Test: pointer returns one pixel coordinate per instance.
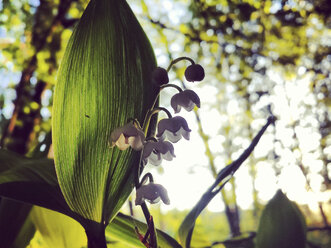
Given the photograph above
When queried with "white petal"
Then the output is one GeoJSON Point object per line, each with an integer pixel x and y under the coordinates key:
{"type": "Point", "coordinates": [153, 201]}
{"type": "Point", "coordinates": [184, 133]}
{"type": "Point", "coordinates": [173, 137]}
{"type": "Point", "coordinates": [155, 158]}
{"type": "Point", "coordinates": [168, 156]}
{"type": "Point", "coordinates": [127, 135]}
{"type": "Point", "coordinates": [122, 143]}
{"type": "Point", "coordinates": [136, 143]}
{"type": "Point", "coordinates": [168, 128]}
{"type": "Point", "coordinates": [190, 106]}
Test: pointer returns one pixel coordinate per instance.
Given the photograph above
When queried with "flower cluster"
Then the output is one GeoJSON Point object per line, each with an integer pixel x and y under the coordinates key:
{"type": "Point", "coordinates": [169, 130]}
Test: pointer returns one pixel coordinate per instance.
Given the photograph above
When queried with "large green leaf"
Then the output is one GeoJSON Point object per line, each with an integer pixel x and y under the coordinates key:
{"type": "Point", "coordinates": [104, 80]}
{"type": "Point", "coordinates": [185, 230]}
{"type": "Point", "coordinates": [122, 228]}
{"type": "Point", "coordinates": [32, 181]}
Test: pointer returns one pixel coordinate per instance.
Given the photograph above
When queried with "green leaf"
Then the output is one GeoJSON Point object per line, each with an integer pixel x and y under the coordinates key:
{"type": "Point", "coordinates": [104, 80]}
{"type": "Point", "coordinates": [25, 235]}
{"type": "Point", "coordinates": [16, 229]}
{"type": "Point", "coordinates": [31, 181]}
{"type": "Point", "coordinates": [186, 228]}
{"type": "Point", "coordinates": [58, 230]}
{"type": "Point", "coordinates": [122, 228]}
{"type": "Point", "coordinates": [281, 224]}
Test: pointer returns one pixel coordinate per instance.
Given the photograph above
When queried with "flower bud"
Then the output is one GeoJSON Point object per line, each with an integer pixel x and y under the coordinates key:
{"type": "Point", "coordinates": [160, 76]}
{"type": "Point", "coordinates": [194, 72]}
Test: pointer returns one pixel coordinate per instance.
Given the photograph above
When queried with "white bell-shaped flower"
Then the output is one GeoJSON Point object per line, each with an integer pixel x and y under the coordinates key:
{"type": "Point", "coordinates": [186, 99]}
{"type": "Point", "coordinates": [174, 129]}
{"type": "Point", "coordinates": [128, 135]}
{"type": "Point", "coordinates": [151, 192]}
{"type": "Point", "coordinates": [154, 152]}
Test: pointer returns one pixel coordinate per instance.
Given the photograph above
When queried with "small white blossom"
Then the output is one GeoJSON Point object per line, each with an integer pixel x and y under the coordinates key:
{"type": "Point", "coordinates": [128, 135]}
{"type": "Point", "coordinates": [154, 152]}
{"type": "Point", "coordinates": [153, 193]}
{"type": "Point", "coordinates": [186, 99]}
{"type": "Point", "coordinates": [173, 129]}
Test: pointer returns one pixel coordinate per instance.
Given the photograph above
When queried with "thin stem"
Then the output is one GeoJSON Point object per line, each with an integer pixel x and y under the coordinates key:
{"type": "Point", "coordinates": [159, 109]}
{"type": "Point", "coordinates": [135, 122]}
{"type": "Point", "coordinates": [172, 86]}
{"type": "Point", "coordinates": [148, 220]}
{"type": "Point", "coordinates": [144, 179]}
{"type": "Point", "coordinates": [139, 170]}
{"type": "Point", "coordinates": [151, 138]}
{"type": "Point", "coordinates": [151, 113]}
{"type": "Point", "coordinates": [179, 59]}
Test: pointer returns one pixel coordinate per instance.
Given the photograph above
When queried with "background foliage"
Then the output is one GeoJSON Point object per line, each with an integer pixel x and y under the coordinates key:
{"type": "Point", "coordinates": [259, 56]}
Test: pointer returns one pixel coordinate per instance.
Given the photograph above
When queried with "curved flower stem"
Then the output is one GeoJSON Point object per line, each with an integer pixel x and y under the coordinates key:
{"type": "Point", "coordinates": [148, 115]}
{"type": "Point", "coordinates": [158, 109]}
{"type": "Point", "coordinates": [139, 171]}
{"type": "Point", "coordinates": [157, 97]}
{"type": "Point", "coordinates": [144, 179]}
{"type": "Point", "coordinates": [151, 138]}
{"type": "Point", "coordinates": [179, 59]}
{"type": "Point", "coordinates": [134, 122]}
{"type": "Point", "coordinates": [172, 86]}
{"type": "Point", "coordinates": [151, 113]}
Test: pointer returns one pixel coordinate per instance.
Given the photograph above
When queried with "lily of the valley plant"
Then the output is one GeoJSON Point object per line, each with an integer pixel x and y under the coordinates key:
{"type": "Point", "coordinates": [104, 80]}
{"type": "Point", "coordinates": [157, 147]}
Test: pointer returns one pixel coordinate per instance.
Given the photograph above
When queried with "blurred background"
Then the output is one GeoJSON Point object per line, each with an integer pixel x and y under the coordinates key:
{"type": "Point", "coordinates": [260, 57]}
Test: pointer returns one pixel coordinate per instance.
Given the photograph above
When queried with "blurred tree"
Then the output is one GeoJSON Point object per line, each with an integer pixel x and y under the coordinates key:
{"type": "Point", "coordinates": [31, 41]}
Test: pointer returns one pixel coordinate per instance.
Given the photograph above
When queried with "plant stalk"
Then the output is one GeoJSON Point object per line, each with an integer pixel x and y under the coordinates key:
{"type": "Point", "coordinates": [96, 236]}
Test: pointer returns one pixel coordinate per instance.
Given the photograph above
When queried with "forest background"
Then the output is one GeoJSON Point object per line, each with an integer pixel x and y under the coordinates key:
{"type": "Point", "coordinates": [259, 57]}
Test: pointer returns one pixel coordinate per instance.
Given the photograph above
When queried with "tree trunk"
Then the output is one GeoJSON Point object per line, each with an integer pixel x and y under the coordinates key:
{"type": "Point", "coordinates": [232, 215]}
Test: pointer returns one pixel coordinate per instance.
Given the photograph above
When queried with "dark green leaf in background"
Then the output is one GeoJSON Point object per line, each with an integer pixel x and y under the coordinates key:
{"type": "Point", "coordinates": [32, 181]}
{"type": "Point", "coordinates": [281, 224]}
{"type": "Point", "coordinates": [16, 229]}
{"type": "Point", "coordinates": [104, 80]}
